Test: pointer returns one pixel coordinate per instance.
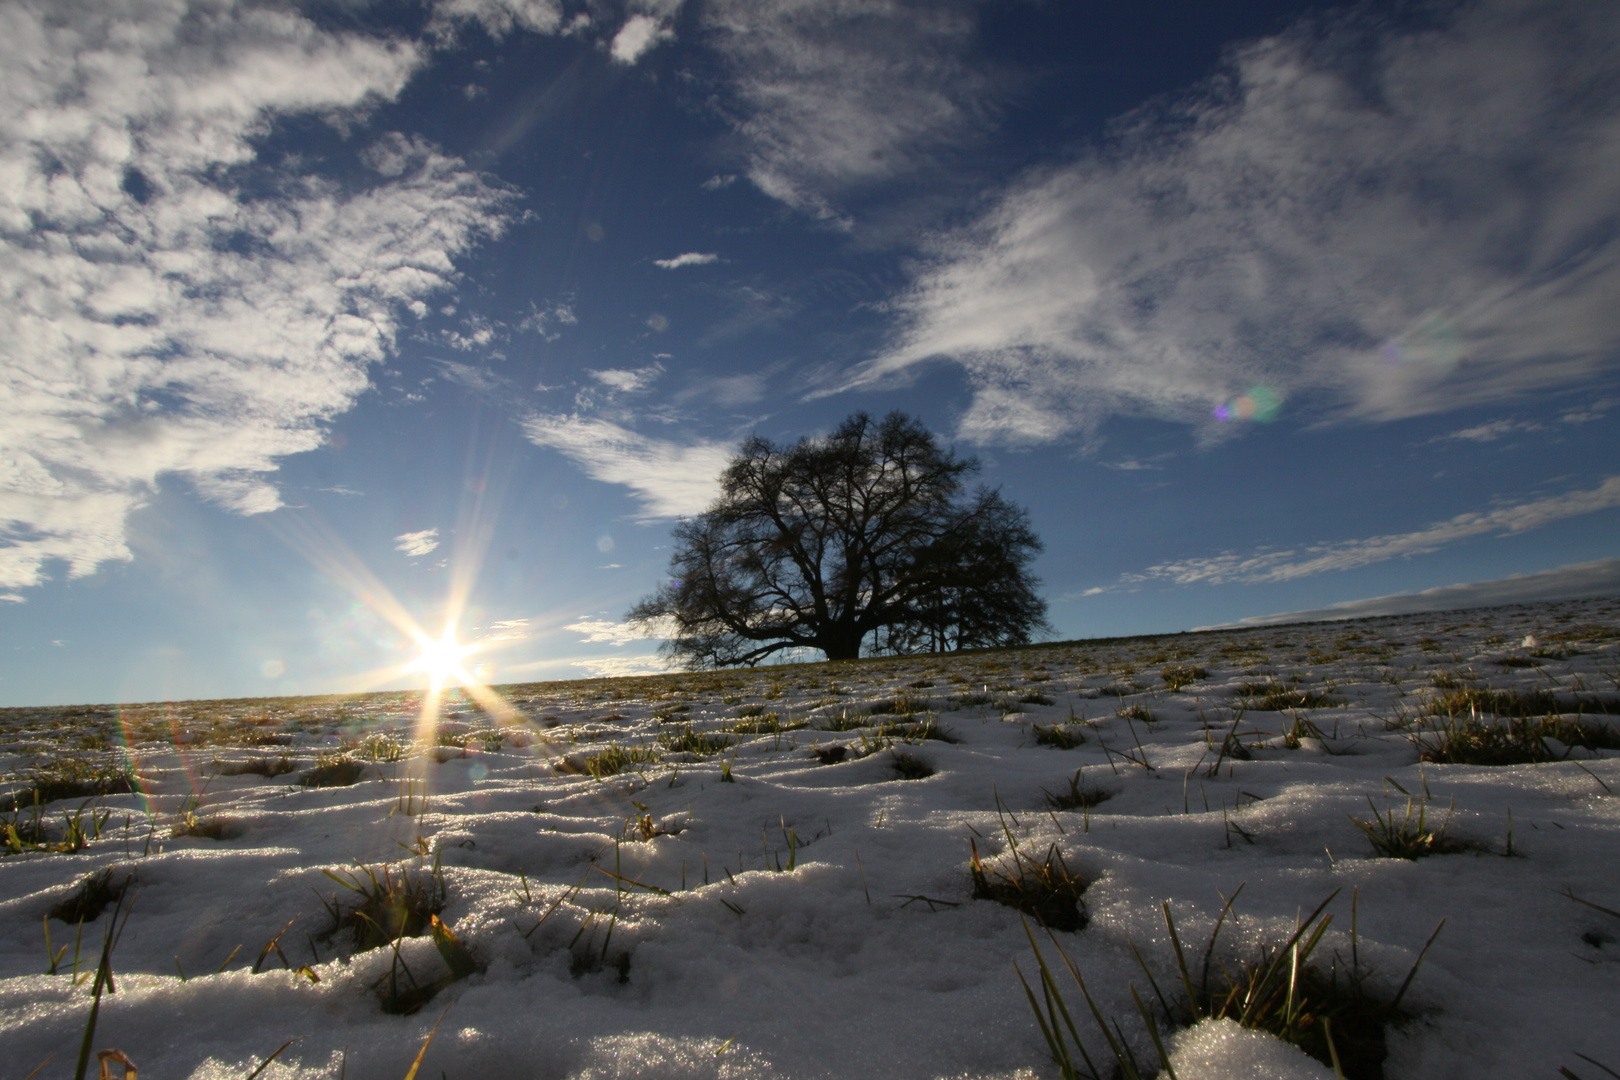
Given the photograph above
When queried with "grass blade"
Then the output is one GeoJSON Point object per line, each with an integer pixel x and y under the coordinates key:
{"type": "Point", "coordinates": [266, 1062]}
{"type": "Point", "coordinates": [427, 1042]}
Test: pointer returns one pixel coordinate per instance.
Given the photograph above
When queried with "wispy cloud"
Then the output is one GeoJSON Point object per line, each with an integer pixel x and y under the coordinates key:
{"type": "Point", "coordinates": [498, 17]}
{"type": "Point", "coordinates": [1489, 431]}
{"type": "Point", "coordinates": [691, 258]}
{"type": "Point", "coordinates": [828, 96]}
{"type": "Point", "coordinates": [417, 544]}
{"type": "Point", "coordinates": [1598, 578]}
{"type": "Point", "coordinates": [605, 630]}
{"type": "Point", "coordinates": [614, 667]}
{"type": "Point", "coordinates": [628, 380]}
{"type": "Point", "coordinates": [471, 376]}
{"type": "Point", "coordinates": [670, 479]}
{"type": "Point", "coordinates": [1270, 566]}
{"type": "Point", "coordinates": [1394, 222]}
{"type": "Point", "coordinates": [160, 321]}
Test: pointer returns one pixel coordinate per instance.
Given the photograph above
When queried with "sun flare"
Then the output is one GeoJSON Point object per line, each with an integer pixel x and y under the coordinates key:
{"type": "Point", "coordinates": [441, 660]}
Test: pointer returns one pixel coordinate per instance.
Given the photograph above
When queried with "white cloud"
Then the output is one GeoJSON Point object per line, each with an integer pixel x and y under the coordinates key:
{"type": "Point", "coordinates": [605, 630]}
{"type": "Point", "coordinates": [13, 598]}
{"type": "Point", "coordinates": [540, 320]}
{"type": "Point", "coordinates": [628, 380]}
{"type": "Point", "coordinates": [1395, 222]}
{"type": "Point", "coordinates": [417, 544]}
{"type": "Point", "coordinates": [670, 479]}
{"type": "Point", "coordinates": [475, 378]}
{"type": "Point", "coordinates": [500, 17]}
{"type": "Point", "coordinates": [829, 96]}
{"type": "Point", "coordinates": [615, 667]}
{"type": "Point", "coordinates": [691, 258]}
{"type": "Point", "coordinates": [157, 319]}
{"type": "Point", "coordinates": [725, 390]}
{"type": "Point", "coordinates": [1489, 431]}
{"type": "Point", "coordinates": [509, 630]}
{"type": "Point", "coordinates": [1269, 566]}
{"type": "Point", "coordinates": [1598, 578]}
{"type": "Point", "coordinates": [638, 36]}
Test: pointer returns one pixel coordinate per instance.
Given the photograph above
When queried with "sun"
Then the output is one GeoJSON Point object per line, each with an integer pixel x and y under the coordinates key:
{"type": "Point", "coordinates": [441, 660]}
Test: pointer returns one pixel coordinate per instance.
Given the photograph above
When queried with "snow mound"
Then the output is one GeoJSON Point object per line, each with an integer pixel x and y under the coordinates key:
{"type": "Point", "coordinates": [1221, 1050]}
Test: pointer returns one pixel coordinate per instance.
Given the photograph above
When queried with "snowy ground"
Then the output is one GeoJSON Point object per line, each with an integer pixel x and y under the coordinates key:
{"type": "Point", "coordinates": [769, 930]}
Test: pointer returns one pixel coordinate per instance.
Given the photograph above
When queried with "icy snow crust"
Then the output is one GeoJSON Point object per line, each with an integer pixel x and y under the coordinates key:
{"type": "Point", "coordinates": [829, 969]}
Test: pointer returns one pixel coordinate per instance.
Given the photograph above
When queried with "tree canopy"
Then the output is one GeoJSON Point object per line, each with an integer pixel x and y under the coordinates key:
{"type": "Point", "coordinates": [862, 533]}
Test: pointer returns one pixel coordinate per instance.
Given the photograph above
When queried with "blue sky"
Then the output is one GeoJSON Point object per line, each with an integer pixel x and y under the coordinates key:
{"type": "Point", "coordinates": [328, 321]}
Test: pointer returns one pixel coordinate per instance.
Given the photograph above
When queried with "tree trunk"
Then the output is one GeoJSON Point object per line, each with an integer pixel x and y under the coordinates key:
{"type": "Point", "coordinates": [840, 644]}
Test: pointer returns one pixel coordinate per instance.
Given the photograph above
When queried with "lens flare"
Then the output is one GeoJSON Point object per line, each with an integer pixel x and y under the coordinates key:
{"type": "Point", "coordinates": [441, 659]}
{"type": "Point", "coordinates": [1260, 404]}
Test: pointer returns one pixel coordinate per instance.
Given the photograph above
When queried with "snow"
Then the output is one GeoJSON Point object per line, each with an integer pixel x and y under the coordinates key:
{"type": "Point", "coordinates": [1220, 1049]}
{"type": "Point", "coordinates": [835, 967]}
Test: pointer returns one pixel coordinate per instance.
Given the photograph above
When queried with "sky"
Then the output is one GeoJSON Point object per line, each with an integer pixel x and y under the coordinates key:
{"type": "Point", "coordinates": [330, 325]}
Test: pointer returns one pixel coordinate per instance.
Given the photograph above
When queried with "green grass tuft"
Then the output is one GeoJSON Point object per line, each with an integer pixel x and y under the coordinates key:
{"type": "Point", "coordinates": [69, 778]}
{"type": "Point", "coordinates": [91, 896]}
{"type": "Point", "coordinates": [688, 740]}
{"type": "Point", "coordinates": [334, 769]}
{"type": "Point", "coordinates": [615, 759]}
{"type": "Point", "coordinates": [1060, 736]}
{"type": "Point", "coordinates": [1409, 837]}
{"type": "Point", "coordinates": [1176, 676]}
{"type": "Point", "coordinates": [907, 767]}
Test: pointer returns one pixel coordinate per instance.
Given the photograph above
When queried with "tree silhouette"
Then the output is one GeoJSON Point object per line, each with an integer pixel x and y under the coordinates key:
{"type": "Point", "coordinates": [864, 532]}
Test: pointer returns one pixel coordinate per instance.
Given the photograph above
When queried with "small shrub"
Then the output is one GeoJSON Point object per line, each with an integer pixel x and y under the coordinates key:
{"type": "Point", "coordinates": [1136, 712]}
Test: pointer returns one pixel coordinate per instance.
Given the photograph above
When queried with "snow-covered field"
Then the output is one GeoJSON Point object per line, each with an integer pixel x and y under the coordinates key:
{"type": "Point", "coordinates": [816, 917]}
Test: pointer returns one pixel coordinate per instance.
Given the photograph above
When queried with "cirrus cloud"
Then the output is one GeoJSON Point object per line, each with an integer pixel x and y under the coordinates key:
{"type": "Point", "coordinates": [158, 319]}
{"type": "Point", "coordinates": [1398, 222]}
{"type": "Point", "coordinates": [1264, 566]}
{"type": "Point", "coordinates": [669, 479]}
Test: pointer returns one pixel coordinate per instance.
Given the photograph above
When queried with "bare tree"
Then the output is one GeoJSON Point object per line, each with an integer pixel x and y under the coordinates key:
{"type": "Point", "coordinates": [862, 532]}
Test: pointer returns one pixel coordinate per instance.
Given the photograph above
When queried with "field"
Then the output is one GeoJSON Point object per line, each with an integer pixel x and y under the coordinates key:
{"type": "Point", "coordinates": [887, 868]}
